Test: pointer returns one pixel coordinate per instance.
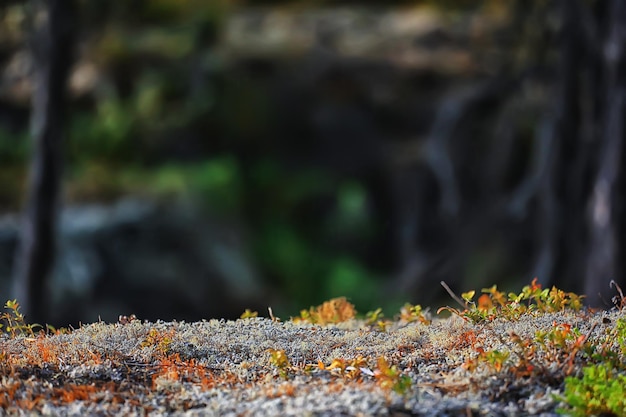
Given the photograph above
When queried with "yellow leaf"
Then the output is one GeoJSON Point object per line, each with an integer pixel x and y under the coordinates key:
{"type": "Point", "coordinates": [467, 296]}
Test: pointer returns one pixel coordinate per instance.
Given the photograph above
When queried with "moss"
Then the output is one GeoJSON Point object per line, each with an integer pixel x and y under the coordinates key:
{"type": "Point", "coordinates": [547, 356]}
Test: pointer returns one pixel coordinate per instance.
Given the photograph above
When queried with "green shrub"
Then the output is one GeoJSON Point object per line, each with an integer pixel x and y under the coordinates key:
{"type": "Point", "coordinates": [601, 391]}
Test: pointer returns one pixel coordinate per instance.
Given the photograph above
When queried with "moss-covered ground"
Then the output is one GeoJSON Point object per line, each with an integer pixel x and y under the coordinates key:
{"type": "Point", "coordinates": [534, 352]}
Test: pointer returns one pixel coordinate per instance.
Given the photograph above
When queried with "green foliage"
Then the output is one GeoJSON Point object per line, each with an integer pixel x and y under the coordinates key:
{"type": "Point", "coordinates": [620, 335]}
{"type": "Point", "coordinates": [387, 376]}
{"type": "Point", "coordinates": [14, 322]}
{"type": "Point", "coordinates": [279, 359]}
{"type": "Point", "coordinates": [290, 260]}
{"type": "Point", "coordinates": [612, 349]}
{"type": "Point", "coordinates": [351, 217]}
{"type": "Point", "coordinates": [299, 263]}
{"type": "Point", "coordinates": [300, 248]}
{"type": "Point", "coordinates": [601, 391]}
{"type": "Point", "coordinates": [127, 122]}
{"type": "Point", "coordinates": [494, 303]}
{"type": "Point", "coordinates": [14, 147]}
{"type": "Point", "coordinates": [217, 180]}
{"type": "Point", "coordinates": [562, 337]}
{"type": "Point", "coordinates": [560, 345]}
{"type": "Point", "coordinates": [410, 313]}
{"type": "Point", "coordinates": [106, 134]}
{"type": "Point", "coordinates": [375, 318]}
{"type": "Point", "coordinates": [248, 314]}
{"type": "Point", "coordinates": [602, 388]}
{"type": "Point", "coordinates": [390, 377]}
{"type": "Point", "coordinates": [497, 358]}
{"type": "Point", "coordinates": [348, 276]}
{"type": "Point", "coordinates": [153, 72]}
{"type": "Point", "coordinates": [371, 317]}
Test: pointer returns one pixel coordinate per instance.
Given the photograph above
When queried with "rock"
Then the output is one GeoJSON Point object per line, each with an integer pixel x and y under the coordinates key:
{"type": "Point", "coordinates": [158, 261]}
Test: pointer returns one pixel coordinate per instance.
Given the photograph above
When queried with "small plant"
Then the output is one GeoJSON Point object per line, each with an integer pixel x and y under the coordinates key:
{"type": "Point", "coordinates": [410, 313]}
{"type": "Point", "coordinates": [172, 368]}
{"type": "Point", "coordinates": [389, 377]}
{"type": "Point", "coordinates": [494, 303]}
{"type": "Point", "coordinates": [333, 311]}
{"type": "Point", "coordinates": [471, 312]}
{"type": "Point", "coordinates": [525, 351]}
{"type": "Point", "coordinates": [159, 340]}
{"type": "Point", "coordinates": [497, 358]}
{"type": "Point", "coordinates": [15, 322]}
{"type": "Point", "coordinates": [494, 358]}
{"type": "Point", "coordinates": [376, 319]}
{"type": "Point", "coordinates": [248, 314]}
{"type": "Point", "coordinates": [600, 392]}
{"type": "Point", "coordinates": [602, 389]}
{"type": "Point", "coordinates": [561, 341]}
{"type": "Point", "coordinates": [279, 359]}
{"type": "Point", "coordinates": [612, 349]}
{"type": "Point", "coordinates": [347, 369]}
{"type": "Point", "coordinates": [620, 335]}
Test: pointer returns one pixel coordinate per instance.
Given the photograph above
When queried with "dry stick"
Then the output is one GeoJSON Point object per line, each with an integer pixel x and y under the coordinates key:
{"type": "Point", "coordinates": [453, 295]}
{"type": "Point", "coordinates": [274, 318]}
{"type": "Point", "coordinates": [622, 301]}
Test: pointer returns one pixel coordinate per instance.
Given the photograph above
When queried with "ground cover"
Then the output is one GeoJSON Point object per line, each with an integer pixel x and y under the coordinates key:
{"type": "Point", "coordinates": [534, 352]}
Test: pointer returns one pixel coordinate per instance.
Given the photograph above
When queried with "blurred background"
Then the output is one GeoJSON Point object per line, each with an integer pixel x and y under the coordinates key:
{"type": "Point", "coordinates": [222, 155]}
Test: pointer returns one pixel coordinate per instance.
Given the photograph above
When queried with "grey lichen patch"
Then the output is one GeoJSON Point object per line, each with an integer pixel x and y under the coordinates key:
{"type": "Point", "coordinates": [258, 366]}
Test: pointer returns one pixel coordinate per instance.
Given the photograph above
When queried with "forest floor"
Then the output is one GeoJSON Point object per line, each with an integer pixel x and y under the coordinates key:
{"type": "Point", "coordinates": [259, 366]}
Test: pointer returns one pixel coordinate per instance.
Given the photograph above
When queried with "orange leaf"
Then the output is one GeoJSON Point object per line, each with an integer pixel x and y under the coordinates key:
{"type": "Point", "coordinates": [485, 303]}
{"type": "Point", "coordinates": [534, 285]}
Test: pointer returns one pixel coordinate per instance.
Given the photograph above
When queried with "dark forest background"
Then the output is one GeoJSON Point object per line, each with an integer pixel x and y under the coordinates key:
{"type": "Point", "coordinates": [190, 159]}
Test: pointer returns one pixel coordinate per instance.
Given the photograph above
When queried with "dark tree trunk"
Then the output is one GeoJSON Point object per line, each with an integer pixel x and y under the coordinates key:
{"type": "Point", "coordinates": [564, 157]}
{"type": "Point", "coordinates": [606, 206]}
{"type": "Point", "coordinates": [582, 198]}
{"type": "Point", "coordinates": [52, 49]}
{"type": "Point", "coordinates": [573, 191]}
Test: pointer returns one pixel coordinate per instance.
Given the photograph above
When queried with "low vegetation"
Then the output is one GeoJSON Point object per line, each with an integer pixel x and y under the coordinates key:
{"type": "Point", "coordinates": [588, 368]}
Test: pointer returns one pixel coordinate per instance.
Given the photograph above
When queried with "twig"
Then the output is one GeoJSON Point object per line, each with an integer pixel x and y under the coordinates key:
{"type": "Point", "coordinates": [274, 318]}
{"type": "Point", "coordinates": [622, 301]}
{"type": "Point", "coordinates": [453, 295]}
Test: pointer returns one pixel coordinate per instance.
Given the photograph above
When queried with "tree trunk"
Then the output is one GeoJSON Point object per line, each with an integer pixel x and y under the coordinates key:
{"type": "Point", "coordinates": [607, 200]}
{"type": "Point", "coordinates": [52, 50]}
